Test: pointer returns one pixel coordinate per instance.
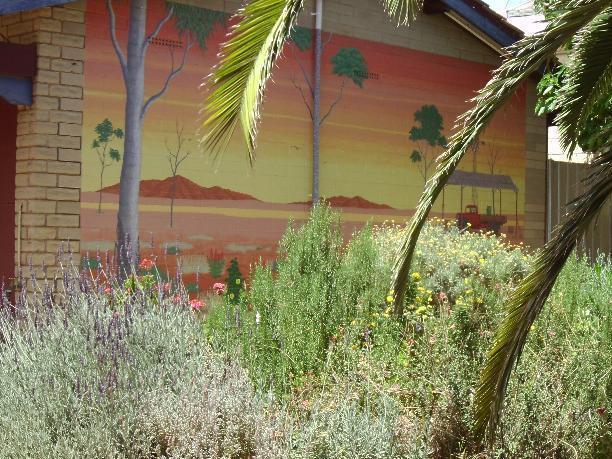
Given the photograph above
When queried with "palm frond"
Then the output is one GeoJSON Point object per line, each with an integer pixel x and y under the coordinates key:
{"type": "Point", "coordinates": [589, 78]}
{"type": "Point", "coordinates": [526, 56]}
{"type": "Point", "coordinates": [246, 61]}
{"type": "Point", "coordinates": [527, 300]}
{"type": "Point", "coordinates": [404, 11]}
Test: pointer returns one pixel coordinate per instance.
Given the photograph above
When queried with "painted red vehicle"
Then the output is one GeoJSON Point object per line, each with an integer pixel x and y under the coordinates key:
{"type": "Point", "coordinates": [480, 222]}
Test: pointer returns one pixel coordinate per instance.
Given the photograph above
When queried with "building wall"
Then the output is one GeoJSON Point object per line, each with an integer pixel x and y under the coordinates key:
{"type": "Point", "coordinates": [226, 209]}
{"type": "Point", "coordinates": [49, 136]}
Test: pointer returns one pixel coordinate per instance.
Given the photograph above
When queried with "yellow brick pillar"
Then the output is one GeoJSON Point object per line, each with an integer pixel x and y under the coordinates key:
{"type": "Point", "coordinates": [48, 179]}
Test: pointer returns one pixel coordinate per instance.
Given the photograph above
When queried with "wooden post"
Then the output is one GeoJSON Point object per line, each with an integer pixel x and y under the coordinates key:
{"type": "Point", "coordinates": [516, 225]}
{"type": "Point", "coordinates": [443, 189]}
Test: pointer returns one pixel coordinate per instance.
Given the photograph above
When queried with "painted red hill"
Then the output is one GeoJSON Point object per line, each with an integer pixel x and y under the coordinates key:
{"type": "Point", "coordinates": [185, 189]}
{"type": "Point", "coordinates": [355, 201]}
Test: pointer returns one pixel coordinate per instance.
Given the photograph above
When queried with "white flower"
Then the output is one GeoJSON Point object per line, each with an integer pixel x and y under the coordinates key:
{"type": "Point", "coordinates": [257, 318]}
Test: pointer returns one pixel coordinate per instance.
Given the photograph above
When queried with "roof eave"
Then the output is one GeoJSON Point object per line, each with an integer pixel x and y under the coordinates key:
{"type": "Point", "coordinates": [16, 6]}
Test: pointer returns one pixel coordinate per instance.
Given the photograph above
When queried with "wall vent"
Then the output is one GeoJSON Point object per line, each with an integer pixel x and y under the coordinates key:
{"type": "Point", "coordinates": [368, 75]}
{"type": "Point", "coordinates": [167, 42]}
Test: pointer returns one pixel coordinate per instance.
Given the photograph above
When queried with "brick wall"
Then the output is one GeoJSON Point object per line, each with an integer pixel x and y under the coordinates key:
{"type": "Point", "coordinates": [48, 179]}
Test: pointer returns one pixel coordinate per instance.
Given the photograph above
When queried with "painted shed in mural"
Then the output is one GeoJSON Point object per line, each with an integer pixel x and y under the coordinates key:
{"type": "Point", "coordinates": [390, 98]}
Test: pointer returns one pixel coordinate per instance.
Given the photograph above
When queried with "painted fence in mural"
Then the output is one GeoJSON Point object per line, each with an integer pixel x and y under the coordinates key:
{"type": "Point", "coordinates": [387, 112]}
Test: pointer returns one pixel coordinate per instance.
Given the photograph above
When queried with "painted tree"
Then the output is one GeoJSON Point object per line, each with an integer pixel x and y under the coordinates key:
{"type": "Point", "coordinates": [190, 22]}
{"type": "Point", "coordinates": [106, 135]}
{"type": "Point", "coordinates": [427, 133]}
{"type": "Point", "coordinates": [175, 157]}
{"type": "Point", "coordinates": [493, 154]}
{"type": "Point", "coordinates": [234, 281]}
{"type": "Point", "coordinates": [347, 63]}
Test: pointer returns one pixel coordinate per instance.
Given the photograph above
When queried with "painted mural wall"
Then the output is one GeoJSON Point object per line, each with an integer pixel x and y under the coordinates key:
{"type": "Point", "coordinates": [387, 114]}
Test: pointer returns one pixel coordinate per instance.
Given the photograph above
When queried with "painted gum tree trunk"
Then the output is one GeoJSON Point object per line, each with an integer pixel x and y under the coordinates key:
{"type": "Point", "coordinates": [129, 194]}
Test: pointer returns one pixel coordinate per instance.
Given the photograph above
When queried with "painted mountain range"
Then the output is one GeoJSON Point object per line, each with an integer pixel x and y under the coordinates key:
{"type": "Point", "coordinates": [186, 189]}
{"type": "Point", "coordinates": [355, 201]}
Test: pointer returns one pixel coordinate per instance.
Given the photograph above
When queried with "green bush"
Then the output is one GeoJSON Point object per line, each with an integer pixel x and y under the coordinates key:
{"type": "Point", "coordinates": [310, 362]}
{"type": "Point", "coordinates": [322, 324]}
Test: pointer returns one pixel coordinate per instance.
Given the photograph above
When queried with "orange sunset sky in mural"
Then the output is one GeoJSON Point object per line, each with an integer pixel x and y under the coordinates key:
{"type": "Point", "coordinates": [365, 145]}
{"type": "Point", "coordinates": [365, 136]}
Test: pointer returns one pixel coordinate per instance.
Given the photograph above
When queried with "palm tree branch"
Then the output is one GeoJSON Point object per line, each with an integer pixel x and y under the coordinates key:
{"type": "Point", "coordinates": [238, 82]}
{"type": "Point", "coordinates": [527, 300]}
{"type": "Point", "coordinates": [525, 58]}
{"type": "Point", "coordinates": [589, 78]}
{"type": "Point", "coordinates": [404, 11]}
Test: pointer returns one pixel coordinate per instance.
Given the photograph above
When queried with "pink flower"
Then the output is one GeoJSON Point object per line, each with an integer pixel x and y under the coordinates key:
{"type": "Point", "coordinates": [108, 290]}
{"type": "Point", "coordinates": [442, 296]}
{"type": "Point", "coordinates": [146, 264]}
{"type": "Point", "coordinates": [219, 288]}
{"type": "Point", "coordinates": [164, 287]}
{"type": "Point", "coordinates": [196, 305]}
{"type": "Point", "coordinates": [178, 298]}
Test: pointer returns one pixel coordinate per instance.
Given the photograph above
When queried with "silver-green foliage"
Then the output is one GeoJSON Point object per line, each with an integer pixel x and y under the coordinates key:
{"type": "Point", "coordinates": [89, 381]}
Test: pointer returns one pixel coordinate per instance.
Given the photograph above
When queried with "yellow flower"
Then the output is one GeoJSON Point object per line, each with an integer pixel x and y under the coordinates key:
{"type": "Point", "coordinates": [421, 309]}
{"type": "Point", "coordinates": [416, 276]}
{"type": "Point", "coordinates": [238, 281]}
{"type": "Point", "coordinates": [231, 295]}
{"type": "Point", "coordinates": [389, 299]}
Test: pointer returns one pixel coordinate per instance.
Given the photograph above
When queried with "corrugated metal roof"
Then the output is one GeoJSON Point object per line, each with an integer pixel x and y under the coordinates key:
{"type": "Point", "coordinates": [478, 179]}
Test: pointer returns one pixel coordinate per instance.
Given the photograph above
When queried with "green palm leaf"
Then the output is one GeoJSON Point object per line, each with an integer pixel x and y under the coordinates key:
{"type": "Point", "coordinates": [589, 78]}
{"type": "Point", "coordinates": [404, 11]}
{"type": "Point", "coordinates": [526, 56]}
{"type": "Point", "coordinates": [246, 62]}
{"type": "Point", "coordinates": [527, 300]}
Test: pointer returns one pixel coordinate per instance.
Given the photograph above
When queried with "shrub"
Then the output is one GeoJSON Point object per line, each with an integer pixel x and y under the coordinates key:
{"type": "Point", "coordinates": [324, 319]}
{"type": "Point", "coordinates": [312, 362]}
{"type": "Point", "coordinates": [94, 378]}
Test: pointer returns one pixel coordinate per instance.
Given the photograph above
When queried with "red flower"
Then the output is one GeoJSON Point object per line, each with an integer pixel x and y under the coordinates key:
{"type": "Point", "coordinates": [219, 288]}
{"type": "Point", "coordinates": [146, 264]}
{"type": "Point", "coordinates": [196, 305]}
{"type": "Point", "coordinates": [601, 411]}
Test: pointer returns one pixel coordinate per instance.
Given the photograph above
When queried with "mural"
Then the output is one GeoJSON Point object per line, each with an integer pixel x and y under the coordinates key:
{"type": "Point", "coordinates": [386, 113]}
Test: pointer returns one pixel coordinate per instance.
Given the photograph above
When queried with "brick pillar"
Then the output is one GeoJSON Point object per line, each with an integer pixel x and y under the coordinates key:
{"type": "Point", "coordinates": [48, 180]}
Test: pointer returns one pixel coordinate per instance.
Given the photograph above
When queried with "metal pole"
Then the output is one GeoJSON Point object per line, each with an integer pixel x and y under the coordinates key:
{"type": "Point", "coordinates": [316, 109]}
